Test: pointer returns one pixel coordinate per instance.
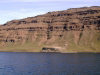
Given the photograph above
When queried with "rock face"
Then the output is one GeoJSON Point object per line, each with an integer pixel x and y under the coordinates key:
{"type": "Point", "coordinates": [75, 30]}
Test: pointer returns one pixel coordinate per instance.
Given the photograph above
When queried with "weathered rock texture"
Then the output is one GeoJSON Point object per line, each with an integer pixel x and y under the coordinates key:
{"type": "Point", "coordinates": [74, 30]}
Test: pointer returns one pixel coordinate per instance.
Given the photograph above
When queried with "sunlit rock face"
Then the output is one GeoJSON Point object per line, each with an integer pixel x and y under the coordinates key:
{"type": "Point", "coordinates": [72, 29]}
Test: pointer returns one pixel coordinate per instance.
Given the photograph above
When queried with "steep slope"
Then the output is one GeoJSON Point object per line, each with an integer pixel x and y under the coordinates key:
{"type": "Point", "coordinates": [72, 30]}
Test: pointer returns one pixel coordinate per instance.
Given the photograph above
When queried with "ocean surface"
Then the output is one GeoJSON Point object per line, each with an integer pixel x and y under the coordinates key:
{"type": "Point", "coordinates": [12, 63]}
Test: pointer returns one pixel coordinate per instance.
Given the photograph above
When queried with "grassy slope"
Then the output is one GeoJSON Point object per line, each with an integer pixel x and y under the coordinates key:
{"type": "Point", "coordinates": [89, 41]}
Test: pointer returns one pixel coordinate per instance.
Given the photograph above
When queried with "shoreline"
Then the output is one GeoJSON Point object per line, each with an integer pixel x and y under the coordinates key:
{"type": "Point", "coordinates": [55, 52]}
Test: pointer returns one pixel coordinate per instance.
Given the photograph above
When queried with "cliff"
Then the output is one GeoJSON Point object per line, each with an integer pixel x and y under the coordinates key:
{"type": "Point", "coordinates": [72, 30]}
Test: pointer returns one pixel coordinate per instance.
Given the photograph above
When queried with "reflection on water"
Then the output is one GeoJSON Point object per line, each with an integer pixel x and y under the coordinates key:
{"type": "Point", "coordinates": [49, 64]}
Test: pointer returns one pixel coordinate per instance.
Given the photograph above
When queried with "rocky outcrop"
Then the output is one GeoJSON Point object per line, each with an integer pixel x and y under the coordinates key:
{"type": "Point", "coordinates": [65, 27]}
{"type": "Point", "coordinates": [50, 49]}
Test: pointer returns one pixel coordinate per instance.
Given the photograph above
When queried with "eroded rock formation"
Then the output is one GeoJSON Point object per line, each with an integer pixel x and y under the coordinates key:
{"type": "Point", "coordinates": [75, 24]}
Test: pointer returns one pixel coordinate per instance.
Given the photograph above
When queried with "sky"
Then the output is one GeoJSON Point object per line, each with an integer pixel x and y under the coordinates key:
{"type": "Point", "coordinates": [19, 9]}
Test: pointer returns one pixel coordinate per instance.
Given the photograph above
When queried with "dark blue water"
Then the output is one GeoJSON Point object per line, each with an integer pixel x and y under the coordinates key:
{"type": "Point", "coordinates": [49, 64]}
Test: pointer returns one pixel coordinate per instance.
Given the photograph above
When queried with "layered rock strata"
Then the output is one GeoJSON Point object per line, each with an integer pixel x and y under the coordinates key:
{"type": "Point", "coordinates": [73, 27]}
